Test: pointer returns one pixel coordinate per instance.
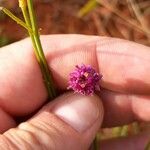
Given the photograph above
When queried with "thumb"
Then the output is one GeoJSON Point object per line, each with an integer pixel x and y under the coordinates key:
{"type": "Point", "coordinates": [69, 122]}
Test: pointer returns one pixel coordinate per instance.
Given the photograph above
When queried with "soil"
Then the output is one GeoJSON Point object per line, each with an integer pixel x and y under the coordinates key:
{"type": "Point", "coordinates": [57, 16]}
{"type": "Point", "coordinates": [53, 17]}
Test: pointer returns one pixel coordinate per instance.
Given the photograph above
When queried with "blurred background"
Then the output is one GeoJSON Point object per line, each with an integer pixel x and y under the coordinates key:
{"type": "Point", "coordinates": [126, 19]}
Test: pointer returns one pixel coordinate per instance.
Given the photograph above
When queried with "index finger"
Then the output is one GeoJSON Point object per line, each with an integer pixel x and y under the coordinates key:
{"type": "Point", "coordinates": [123, 64]}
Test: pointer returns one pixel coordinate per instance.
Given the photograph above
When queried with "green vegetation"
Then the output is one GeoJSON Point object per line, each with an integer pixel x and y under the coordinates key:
{"type": "Point", "coordinates": [4, 41]}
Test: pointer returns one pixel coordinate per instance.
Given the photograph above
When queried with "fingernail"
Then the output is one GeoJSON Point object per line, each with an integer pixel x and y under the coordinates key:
{"type": "Point", "coordinates": [79, 111]}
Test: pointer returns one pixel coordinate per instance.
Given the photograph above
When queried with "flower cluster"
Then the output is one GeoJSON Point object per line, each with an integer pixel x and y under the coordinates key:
{"type": "Point", "coordinates": [84, 80]}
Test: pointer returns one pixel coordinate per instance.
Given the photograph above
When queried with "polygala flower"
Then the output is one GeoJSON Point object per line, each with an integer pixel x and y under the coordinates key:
{"type": "Point", "coordinates": [85, 80]}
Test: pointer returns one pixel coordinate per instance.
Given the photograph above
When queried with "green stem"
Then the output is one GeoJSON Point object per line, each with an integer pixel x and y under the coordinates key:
{"type": "Point", "coordinates": [31, 26]}
{"type": "Point", "coordinates": [116, 131]}
{"type": "Point", "coordinates": [124, 131]}
{"type": "Point", "coordinates": [136, 127]}
{"type": "Point", "coordinates": [27, 20]}
{"type": "Point", "coordinates": [96, 142]}
{"type": "Point", "coordinates": [90, 5]}
{"type": "Point", "coordinates": [45, 69]}
{"type": "Point", "coordinates": [16, 19]}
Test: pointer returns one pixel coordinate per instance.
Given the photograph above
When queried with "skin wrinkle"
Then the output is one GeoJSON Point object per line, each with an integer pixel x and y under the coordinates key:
{"type": "Point", "coordinates": [19, 143]}
{"type": "Point", "coordinates": [29, 138]}
{"type": "Point", "coordinates": [51, 130]}
{"type": "Point", "coordinates": [24, 145]}
{"type": "Point", "coordinates": [44, 127]}
{"type": "Point", "coordinates": [57, 134]}
{"type": "Point", "coordinates": [4, 142]}
{"type": "Point", "coordinates": [38, 134]}
{"type": "Point", "coordinates": [38, 145]}
{"type": "Point", "coordinates": [9, 143]}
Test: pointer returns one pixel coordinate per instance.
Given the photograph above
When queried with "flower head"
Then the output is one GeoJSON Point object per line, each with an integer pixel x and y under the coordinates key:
{"type": "Point", "coordinates": [84, 80]}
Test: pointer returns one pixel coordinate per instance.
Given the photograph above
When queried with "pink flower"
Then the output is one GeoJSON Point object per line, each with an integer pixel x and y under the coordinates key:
{"type": "Point", "coordinates": [84, 80]}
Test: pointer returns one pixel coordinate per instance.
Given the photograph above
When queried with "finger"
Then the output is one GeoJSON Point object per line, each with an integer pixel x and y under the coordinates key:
{"type": "Point", "coordinates": [69, 122]}
{"type": "Point", "coordinates": [123, 64]}
{"type": "Point", "coordinates": [6, 121]}
{"type": "Point", "coordinates": [21, 88]}
{"type": "Point", "coordinates": [137, 142]}
{"type": "Point", "coordinates": [124, 108]}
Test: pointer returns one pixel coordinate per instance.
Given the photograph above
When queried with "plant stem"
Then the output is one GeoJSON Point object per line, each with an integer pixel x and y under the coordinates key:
{"type": "Point", "coordinates": [96, 142]}
{"type": "Point", "coordinates": [90, 5]}
{"type": "Point", "coordinates": [116, 131]}
{"type": "Point", "coordinates": [124, 131]}
{"type": "Point", "coordinates": [16, 19]}
{"type": "Point", "coordinates": [37, 42]}
{"type": "Point", "coordinates": [31, 26]}
{"type": "Point", "coordinates": [136, 127]}
{"type": "Point", "coordinates": [27, 20]}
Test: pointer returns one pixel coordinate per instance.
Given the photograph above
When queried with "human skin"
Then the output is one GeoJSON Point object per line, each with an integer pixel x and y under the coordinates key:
{"type": "Point", "coordinates": [124, 95]}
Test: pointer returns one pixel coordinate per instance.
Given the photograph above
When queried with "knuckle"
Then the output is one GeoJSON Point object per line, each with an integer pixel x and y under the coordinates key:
{"type": "Point", "coordinates": [21, 139]}
{"type": "Point", "coordinates": [37, 134]}
{"type": "Point", "coordinates": [42, 138]}
{"type": "Point", "coordinates": [6, 144]}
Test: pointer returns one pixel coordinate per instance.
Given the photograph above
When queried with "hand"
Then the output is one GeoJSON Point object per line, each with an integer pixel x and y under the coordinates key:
{"type": "Point", "coordinates": [72, 120]}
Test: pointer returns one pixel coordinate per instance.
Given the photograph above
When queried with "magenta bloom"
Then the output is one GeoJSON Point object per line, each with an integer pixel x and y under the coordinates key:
{"type": "Point", "coordinates": [84, 80]}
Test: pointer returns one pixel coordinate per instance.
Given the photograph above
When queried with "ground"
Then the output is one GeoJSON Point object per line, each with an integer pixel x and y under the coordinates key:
{"type": "Point", "coordinates": [57, 16]}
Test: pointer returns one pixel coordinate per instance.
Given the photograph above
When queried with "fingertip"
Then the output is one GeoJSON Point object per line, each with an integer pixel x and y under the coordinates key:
{"type": "Point", "coordinates": [78, 116]}
{"type": "Point", "coordinates": [79, 111]}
